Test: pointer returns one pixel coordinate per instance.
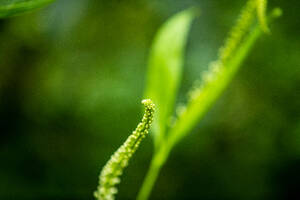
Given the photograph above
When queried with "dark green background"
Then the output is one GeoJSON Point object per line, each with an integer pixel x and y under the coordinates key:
{"type": "Point", "coordinates": [71, 81]}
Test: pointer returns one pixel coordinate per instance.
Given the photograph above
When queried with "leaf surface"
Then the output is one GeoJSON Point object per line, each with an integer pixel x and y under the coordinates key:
{"type": "Point", "coordinates": [15, 7]}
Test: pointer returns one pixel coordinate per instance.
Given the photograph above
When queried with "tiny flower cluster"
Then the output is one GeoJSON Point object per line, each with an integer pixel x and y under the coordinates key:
{"type": "Point", "coordinates": [236, 35]}
{"type": "Point", "coordinates": [109, 176]}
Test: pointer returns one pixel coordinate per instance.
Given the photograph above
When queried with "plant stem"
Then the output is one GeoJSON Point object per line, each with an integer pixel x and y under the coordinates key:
{"type": "Point", "coordinates": [162, 153]}
{"type": "Point", "coordinates": [149, 181]}
{"type": "Point", "coordinates": [156, 164]}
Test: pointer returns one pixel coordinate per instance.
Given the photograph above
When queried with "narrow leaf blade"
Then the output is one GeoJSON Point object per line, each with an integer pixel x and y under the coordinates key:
{"type": "Point", "coordinates": [15, 7]}
{"type": "Point", "coordinates": [165, 68]}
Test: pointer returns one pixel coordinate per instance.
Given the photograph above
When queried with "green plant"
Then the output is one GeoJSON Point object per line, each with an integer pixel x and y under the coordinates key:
{"type": "Point", "coordinates": [165, 72]}
{"type": "Point", "coordinates": [164, 75]}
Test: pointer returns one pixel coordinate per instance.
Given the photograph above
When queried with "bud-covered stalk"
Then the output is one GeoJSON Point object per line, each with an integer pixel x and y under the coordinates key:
{"type": "Point", "coordinates": [109, 176]}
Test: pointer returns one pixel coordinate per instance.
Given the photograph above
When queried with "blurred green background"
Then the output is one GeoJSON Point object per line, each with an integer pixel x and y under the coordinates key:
{"type": "Point", "coordinates": [71, 80]}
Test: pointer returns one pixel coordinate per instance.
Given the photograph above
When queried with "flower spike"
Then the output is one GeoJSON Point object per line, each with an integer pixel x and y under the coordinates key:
{"type": "Point", "coordinates": [111, 172]}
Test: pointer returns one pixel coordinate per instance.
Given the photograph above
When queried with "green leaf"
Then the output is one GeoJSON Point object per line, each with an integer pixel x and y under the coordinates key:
{"type": "Point", "coordinates": [165, 68]}
{"type": "Point", "coordinates": [15, 7]}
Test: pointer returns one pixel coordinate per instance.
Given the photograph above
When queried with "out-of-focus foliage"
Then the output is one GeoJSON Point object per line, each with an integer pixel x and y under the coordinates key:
{"type": "Point", "coordinates": [71, 75]}
{"type": "Point", "coordinates": [261, 6]}
{"type": "Point", "coordinates": [16, 7]}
